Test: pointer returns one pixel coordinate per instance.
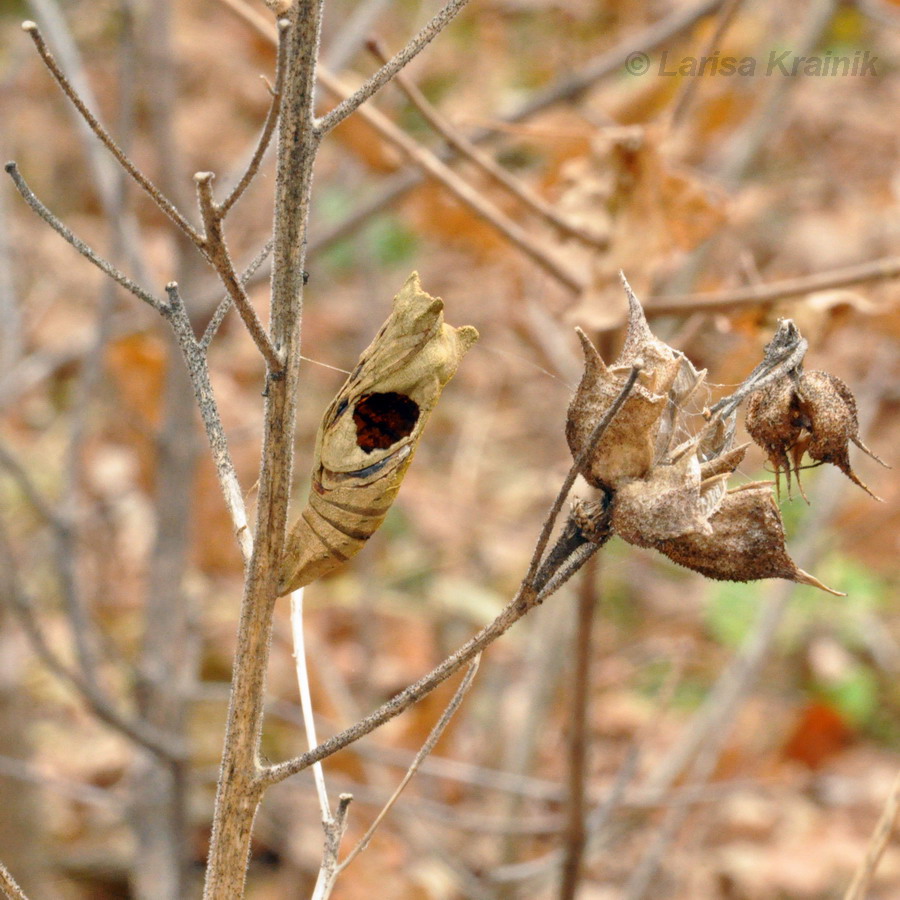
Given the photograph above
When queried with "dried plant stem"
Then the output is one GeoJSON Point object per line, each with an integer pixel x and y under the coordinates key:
{"type": "Point", "coordinates": [432, 165]}
{"type": "Point", "coordinates": [862, 880]}
{"type": "Point", "coordinates": [265, 137]}
{"type": "Point", "coordinates": [195, 358]}
{"type": "Point", "coordinates": [309, 721]}
{"type": "Point", "coordinates": [469, 151]}
{"type": "Point", "coordinates": [883, 269]}
{"type": "Point", "coordinates": [432, 739]}
{"type": "Point", "coordinates": [413, 48]}
{"type": "Point", "coordinates": [106, 139]}
{"type": "Point", "coordinates": [240, 786]}
{"type": "Point", "coordinates": [217, 250]}
{"type": "Point", "coordinates": [576, 831]}
{"type": "Point", "coordinates": [8, 885]}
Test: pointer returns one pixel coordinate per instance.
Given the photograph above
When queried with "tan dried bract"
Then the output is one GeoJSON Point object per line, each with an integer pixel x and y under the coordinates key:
{"type": "Point", "coordinates": [813, 413]}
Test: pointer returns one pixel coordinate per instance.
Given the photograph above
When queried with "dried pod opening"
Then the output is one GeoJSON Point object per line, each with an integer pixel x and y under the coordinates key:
{"type": "Point", "coordinates": [383, 419]}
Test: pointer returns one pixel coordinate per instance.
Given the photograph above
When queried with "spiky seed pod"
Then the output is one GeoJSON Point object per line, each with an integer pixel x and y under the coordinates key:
{"type": "Point", "coordinates": [830, 407]}
{"type": "Point", "coordinates": [643, 428]}
{"type": "Point", "coordinates": [745, 543]}
{"type": "Point", "coordinates": [775, 422]}
{"type": "Point", "coordinates": [370, 431]}
{"type": "Point", "coordinates": [814, 413]}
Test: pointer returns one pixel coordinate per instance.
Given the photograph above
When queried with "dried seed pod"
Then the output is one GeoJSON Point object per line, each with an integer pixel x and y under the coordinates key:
{"type": "Point", "coordinates": [641, 432]}
{"type": "Point", "coordinates": [370, 431]}
{"type": "Point", "coordinates": [775, 422]}
{"type": "Point", "coordinates": [745, 543]}
{"type": "Point", "coordinates": [830, 408]}
{"type": "Point", "coordinates": [814, 413]}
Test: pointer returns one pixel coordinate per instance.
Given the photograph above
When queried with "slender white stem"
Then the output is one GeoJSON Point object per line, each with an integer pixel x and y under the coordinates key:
{"type": "Point", "coordinates": [306, 698]}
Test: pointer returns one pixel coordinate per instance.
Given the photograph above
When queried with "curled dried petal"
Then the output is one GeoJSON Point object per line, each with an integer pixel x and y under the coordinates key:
{"type": "Point", "coordinates": [745, 543]}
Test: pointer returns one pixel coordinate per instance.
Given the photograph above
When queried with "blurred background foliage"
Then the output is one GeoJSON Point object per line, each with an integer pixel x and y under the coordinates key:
{"type": "Point", "coordinates": [706, 184]}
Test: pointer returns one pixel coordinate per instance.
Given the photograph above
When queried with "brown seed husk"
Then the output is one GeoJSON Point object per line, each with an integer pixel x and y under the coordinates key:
{"type": "Point", "coordinates": [814, 413]}
{"type": "Point", "coordinates": [831, 409]}
{"type": "Point", "coordinates": [746, 543]}
{"type": "Point", "coordinates": [641, 432]}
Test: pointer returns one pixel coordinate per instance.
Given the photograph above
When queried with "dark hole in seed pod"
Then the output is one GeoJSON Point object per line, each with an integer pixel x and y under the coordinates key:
{"type": "Point", "coordinates": [383, 419]}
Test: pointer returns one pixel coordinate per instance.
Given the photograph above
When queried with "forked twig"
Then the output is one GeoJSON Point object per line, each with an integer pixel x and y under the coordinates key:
{"type": "Point", "coordinates": [105, 138]}
{"type": "Point", "coordinates": [217, 250]}
{"type": "Point", "coordinates": [433, 737]}
{"type": "Point", "coordinates": [415, 46]}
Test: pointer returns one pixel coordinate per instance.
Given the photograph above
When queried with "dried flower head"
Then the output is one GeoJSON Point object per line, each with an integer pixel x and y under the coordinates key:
{"type": "Point", "coordinates": [812, 413]}
{"type": "Point", "coordinates": [671, 495]}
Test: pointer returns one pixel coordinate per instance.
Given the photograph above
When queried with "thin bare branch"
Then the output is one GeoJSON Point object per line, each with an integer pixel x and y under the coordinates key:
{"type": "Point", "coordinates": [415, 46]}
{"type": "Point", "coordinates": [862, 880]}
{"type": "Point", "coordinates": [195, 359]}
{"type": "Point", "coordinates": [309, 721]}
{"type": "Point", "coordinates": [430, 163]}
{"type": "Point", "coordinates": [105, 138]}
{"type": "Point", "coordinates": [433, 737]}
{"type": "Point", "coordinates": [468, 150]}
{"type": "Point", "coordinates": [577, 740]}
{"type": "Point", "coordinates": [240, 788]}
{"type": "Point", "coordinates": [882, 269]}
{"type": "Point", "coordinates": [268, 130]}
{"type": "Point", "coordinates": [8, 885]}
{"type": "Point", "coordinates": [225, 303]}
{"type": "Point", "coordinates": [106, 267]}
{"type": "Point", "coordinates": [217, 250]}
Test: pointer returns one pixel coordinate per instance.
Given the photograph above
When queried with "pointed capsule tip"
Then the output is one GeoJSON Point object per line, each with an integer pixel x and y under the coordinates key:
{"type": "Point", "coordinates": [805, 578]}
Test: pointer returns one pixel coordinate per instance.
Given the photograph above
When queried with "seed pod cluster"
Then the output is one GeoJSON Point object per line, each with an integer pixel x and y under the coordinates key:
{"type": "Point", "coordinates": [669, 492]}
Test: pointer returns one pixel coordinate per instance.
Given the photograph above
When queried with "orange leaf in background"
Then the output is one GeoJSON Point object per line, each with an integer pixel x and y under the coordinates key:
{"type": "Point", "coordinates": [137, 365]}
{"type": "Point", "coordinates": [819, 733]}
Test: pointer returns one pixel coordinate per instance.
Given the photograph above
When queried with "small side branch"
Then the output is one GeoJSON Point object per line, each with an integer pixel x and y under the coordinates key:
{"type": "Point", "coordinates": [65, 233]}
{"type": "Point", "coordinates": [883, 269]}
{"type": "Point", "coordinates": [105, 138]}
{"type": "Point", "coordinates": [195, 359]}
{"type": "Point", "coordinates": [429, 745]}
{"type": "Point", "coordinates": [415, 46]}
{"type": "Point", "coordinates": [268, 130]}
{"type": "Point", "coordinates": [215, 246]}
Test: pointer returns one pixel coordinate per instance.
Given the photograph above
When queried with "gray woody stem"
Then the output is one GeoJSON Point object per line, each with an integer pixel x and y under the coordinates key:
{"type": "Point", "coordinates": [240, 787]}
{"type": "Point", "coordinates": [415, 46]}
